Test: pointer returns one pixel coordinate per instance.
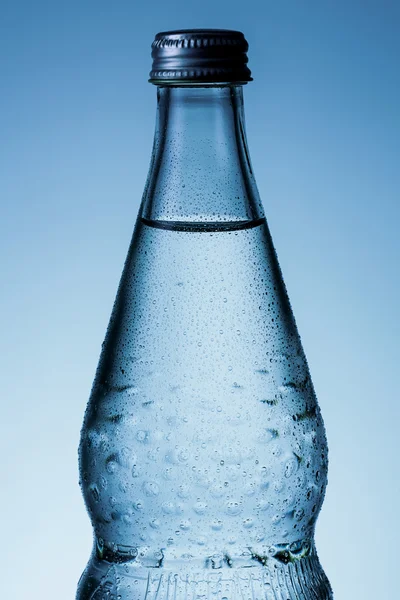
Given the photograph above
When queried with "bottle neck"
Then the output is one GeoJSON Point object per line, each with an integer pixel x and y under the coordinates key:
{"type": "Point", "coordinates": [200, 169]}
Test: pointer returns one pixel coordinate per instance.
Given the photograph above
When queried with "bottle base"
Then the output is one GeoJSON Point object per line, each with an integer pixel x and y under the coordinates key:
{"type": "Point", "coordinates": [303, 579]}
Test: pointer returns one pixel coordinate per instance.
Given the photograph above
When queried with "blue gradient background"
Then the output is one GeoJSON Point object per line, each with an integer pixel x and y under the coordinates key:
{"type": "Point", "coordinates": [76, 122]}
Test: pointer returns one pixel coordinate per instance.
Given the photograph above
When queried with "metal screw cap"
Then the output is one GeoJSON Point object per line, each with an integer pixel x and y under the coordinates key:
{"type": "Point", "coordinates": [196, 56]}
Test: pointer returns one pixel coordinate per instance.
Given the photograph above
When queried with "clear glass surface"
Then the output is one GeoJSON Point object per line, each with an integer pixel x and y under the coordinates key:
{"type": "Point", "coordinates": [203, 455]}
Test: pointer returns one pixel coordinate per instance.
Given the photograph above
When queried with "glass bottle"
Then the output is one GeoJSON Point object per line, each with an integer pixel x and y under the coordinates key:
{"type": "Point", "coordinates": [203, 456]}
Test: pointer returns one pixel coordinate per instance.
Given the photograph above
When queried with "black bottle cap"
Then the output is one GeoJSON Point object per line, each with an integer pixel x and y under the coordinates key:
{"type": "Point", "coordinates": [196, 56]}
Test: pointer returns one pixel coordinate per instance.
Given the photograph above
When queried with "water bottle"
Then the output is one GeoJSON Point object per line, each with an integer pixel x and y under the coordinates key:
{"type": "Point", "coordinates": [203, 457]}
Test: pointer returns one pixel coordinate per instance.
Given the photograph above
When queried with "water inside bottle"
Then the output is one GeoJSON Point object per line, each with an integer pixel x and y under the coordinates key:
{"type": "Point", "coordinates": [211, 442]}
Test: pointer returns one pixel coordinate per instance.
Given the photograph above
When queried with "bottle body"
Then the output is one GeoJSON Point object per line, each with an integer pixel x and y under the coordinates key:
{"type": "Point", "coordinates": [203, 454]}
